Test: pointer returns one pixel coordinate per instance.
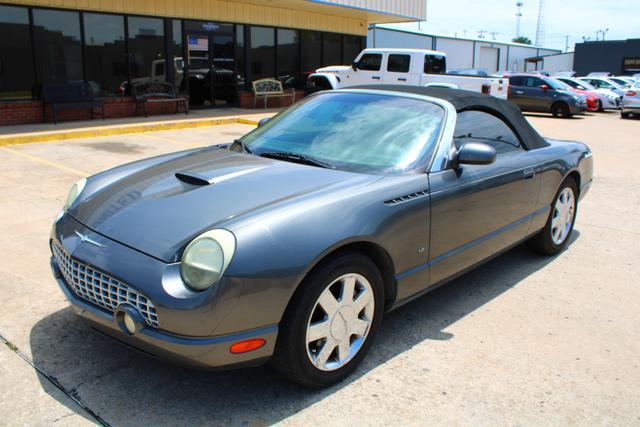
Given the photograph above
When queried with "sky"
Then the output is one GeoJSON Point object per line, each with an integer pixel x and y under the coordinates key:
{"type": "Point", "coordinates": [573, 18]}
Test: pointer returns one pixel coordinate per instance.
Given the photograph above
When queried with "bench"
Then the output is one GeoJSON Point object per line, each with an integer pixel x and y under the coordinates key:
{"type": "Point", "coordinates": [69, 96]}
{"type": "Point", "coordinates": [157, 92]}
{"type": "Point", "coordinates": [270, 88]}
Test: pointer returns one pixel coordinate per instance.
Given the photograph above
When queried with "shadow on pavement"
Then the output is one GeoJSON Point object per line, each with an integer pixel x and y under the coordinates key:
{"type": "Point", "coordinates": [127, 388]}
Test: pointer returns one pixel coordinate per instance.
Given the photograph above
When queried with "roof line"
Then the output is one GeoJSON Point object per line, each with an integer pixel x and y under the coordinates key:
{"type": "Point", "coordinates": [420, 33]}
{"type": "Point", "coordinates": [365, 9]}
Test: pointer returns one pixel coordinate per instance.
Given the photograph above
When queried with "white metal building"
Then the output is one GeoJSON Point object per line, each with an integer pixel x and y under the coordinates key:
{"type": "Point", "coordinates": [461, 52]}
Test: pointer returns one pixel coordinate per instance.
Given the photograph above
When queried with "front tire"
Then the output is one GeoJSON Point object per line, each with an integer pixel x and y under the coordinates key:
{"type": "Point", "coordinates": [555, 235]}
{"type": "Point", "coordinates": [625, 115]}
{"type": "Point", "coordinates": [561, 109]}
{"type": "Point", "coordinates": [330, 322]}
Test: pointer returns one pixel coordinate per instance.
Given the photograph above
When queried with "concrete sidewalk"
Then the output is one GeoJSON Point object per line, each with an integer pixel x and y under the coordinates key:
{"type": "Point", "coordinates": [43, 132]}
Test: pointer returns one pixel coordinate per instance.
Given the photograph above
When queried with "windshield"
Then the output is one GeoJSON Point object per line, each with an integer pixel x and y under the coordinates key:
{"type": "Point", "coordinates": [557, 84]}
{"type": "Point", "coordinates": [577, 83]}
{"type": "Point", "coordinates": [358, 132]}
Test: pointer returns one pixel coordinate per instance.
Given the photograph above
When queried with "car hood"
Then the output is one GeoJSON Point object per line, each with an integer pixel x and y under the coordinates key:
{"type": "Point", "coordinates": [333, 69]}
{"type": "Point", "coordinates": [159, 209]}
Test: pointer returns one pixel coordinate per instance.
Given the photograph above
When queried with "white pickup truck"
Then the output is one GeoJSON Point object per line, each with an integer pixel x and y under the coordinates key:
{"type": "Point", "coordinates": [415, 67]}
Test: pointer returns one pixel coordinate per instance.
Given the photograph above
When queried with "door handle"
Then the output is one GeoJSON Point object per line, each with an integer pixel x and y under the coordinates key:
{"type": "Point", "coordinates": [529, 173]}
{"type": "Point", "coordinates": [375, 77]}
{"type": "Point", "coordinates": [519, 92]}
{"type": "Point", "coordinates": [402, 79]}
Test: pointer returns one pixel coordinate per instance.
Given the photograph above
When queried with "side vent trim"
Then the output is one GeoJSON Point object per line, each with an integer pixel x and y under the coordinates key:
{"type": "Point", "coordinates": [407, 197]}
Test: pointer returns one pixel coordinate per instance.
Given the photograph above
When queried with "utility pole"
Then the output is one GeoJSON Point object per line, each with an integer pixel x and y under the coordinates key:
{"type": "Point", "coordinates": [566, 43]}
{"type": "Point", "coordinates": [481, 34]}
{"type": "Point", "coordinates": [519, 5]}
{"type": "Point", "coordinates": [540, 27]}
{"type": "Point", "coordinates": [493, 35]}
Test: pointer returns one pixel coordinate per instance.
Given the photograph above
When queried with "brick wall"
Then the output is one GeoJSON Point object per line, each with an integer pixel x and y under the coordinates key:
{"type": "Point", "coordinates": [30, 111]}
{"type": "Point", "coordinates": [25, 112]}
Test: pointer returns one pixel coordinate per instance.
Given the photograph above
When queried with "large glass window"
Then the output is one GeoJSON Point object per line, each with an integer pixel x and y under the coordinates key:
{"type": "Point", "coordinates": [262, 53]}
{"type": "Point", "coordinates": [351, 48]}
{"type": "Point", "coordinates": [240, 57]}
{"type": "Point", "coordinates": [176, 54]}
{"type": "Point", "coordinates": [57, 39]}
{"type": "Point", "coordinates": [105, 55]}
{"type": "Point", "coordinates": [16, 62]}
{"type": "Point", "coordinates": [146, 49]}
{"type": "Point", "coordinates": [331, 49]}
{"type": "Point", "coordinates": [288, 57]}
{"type": "Point", "coordinates": [311, 57]}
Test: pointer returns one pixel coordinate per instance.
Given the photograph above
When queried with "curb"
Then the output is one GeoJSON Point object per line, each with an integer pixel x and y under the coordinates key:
{"type": "Point", "coordinates": [120, 130]}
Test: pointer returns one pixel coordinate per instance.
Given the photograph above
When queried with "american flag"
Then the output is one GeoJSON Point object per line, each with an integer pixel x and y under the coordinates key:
{"type": "Point", "coordinates": [198, 43]}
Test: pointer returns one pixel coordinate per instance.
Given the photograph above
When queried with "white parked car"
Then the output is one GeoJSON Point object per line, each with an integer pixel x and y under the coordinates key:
{"type": "Point", "coordinates": [604, 83]}
{"type": "Point", "coordinates": [608, 98]}
{"type": "Point", "coordinates": [414, 67]}
{"type": "Point", "coordinates": [631, 102]}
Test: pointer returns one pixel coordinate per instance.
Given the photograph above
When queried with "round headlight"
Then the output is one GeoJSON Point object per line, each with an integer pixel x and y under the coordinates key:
{"type": "Point", "coordinates": [206, 257]}
{"type": "Point", "coordinates": [75, 191]}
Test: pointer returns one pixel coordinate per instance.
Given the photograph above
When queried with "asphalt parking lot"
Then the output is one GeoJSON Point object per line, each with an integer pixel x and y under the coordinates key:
{"type": "Point", "coordinates": [521, 340]}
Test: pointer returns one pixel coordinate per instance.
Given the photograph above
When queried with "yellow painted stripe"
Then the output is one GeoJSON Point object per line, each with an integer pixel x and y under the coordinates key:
{"type": "Point", "coordinates": [46, 162]}
{"type": "Point", "coordinates": [119, 130]}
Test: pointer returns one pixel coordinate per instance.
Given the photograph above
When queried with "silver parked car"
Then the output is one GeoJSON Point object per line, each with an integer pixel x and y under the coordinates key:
{"type": "Point", "coordinates": [631, 102]}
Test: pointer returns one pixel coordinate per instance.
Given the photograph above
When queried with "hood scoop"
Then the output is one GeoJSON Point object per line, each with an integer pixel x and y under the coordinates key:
{"type": "Point", "coordinates": [194, 178]}
{"type": "Point", "coordinates": [201, 179]}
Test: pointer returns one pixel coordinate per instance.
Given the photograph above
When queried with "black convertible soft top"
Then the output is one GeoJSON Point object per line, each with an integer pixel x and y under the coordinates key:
{"type": "Point", "coordinates": [466, 100]}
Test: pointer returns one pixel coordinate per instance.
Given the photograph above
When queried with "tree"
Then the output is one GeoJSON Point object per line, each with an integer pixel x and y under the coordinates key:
{"type": "Point", "coordinates": [522, 39]}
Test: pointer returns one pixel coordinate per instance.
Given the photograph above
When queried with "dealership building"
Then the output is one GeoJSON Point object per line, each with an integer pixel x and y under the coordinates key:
{"type": "Point", "coordinates": [210, 50]}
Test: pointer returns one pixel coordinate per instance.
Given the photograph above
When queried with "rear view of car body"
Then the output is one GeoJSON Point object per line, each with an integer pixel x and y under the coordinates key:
{"type": "Point", "coordinates": [631, 102]}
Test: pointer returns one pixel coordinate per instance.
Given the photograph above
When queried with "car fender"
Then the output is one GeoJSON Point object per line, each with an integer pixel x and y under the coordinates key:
{"type": "Point", "coordinates": [332, 79]}
{"type": "Point", "coordinates": [278, 247]}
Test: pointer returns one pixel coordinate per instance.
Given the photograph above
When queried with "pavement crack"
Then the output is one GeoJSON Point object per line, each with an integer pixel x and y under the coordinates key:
{"type": "Point", "coordinates": [71, 394]}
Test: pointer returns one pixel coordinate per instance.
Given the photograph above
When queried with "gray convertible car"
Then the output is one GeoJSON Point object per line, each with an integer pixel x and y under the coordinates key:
{"type": "Point", "coordinates": [289, 244]}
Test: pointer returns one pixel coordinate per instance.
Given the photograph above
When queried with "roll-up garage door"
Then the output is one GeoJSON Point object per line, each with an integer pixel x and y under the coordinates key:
{"type": "Point", "coordinates": [489, 58]}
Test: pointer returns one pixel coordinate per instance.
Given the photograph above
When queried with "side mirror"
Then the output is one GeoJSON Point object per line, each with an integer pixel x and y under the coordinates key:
{"type": "Point", "coordinates": [475, 153]}
{"type": "Point", "coordinates": [262, 122]}
{"type": "Point", "coordinates": [354, 65]}
{"type": "Point", "coordinates": [544, 87]}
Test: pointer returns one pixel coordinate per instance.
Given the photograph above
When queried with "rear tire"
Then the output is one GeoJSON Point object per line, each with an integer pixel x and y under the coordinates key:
{"type": "Point", "coordinates": [555, 235]}
{"type": "Point", "coordinates": [600, 107]}
{"type": "Point", "coordinates": [625, 115]}
{"type": "Point", "coordinates": [326, 330]}
{"type": "Point", "coordinates": [561, 109]}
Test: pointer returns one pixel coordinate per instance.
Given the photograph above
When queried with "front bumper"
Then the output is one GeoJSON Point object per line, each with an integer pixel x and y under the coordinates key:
{"type": "Point", "coordinates": [174, 314]}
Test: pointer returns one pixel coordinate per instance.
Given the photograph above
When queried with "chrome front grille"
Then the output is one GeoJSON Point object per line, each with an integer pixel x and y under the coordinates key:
{"type": "Point", "coordinates": [101, 289]}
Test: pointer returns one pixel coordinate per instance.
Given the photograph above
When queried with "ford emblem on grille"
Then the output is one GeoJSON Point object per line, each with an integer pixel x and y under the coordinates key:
{"type": "Point", "coordinates": [86, 239]}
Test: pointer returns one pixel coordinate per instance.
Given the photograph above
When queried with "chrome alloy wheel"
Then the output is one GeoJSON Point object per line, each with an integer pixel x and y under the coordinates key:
{"type": "Point", "coordinates": [562, 218]}
{"type": "Point", "coordinates": [340, 322]}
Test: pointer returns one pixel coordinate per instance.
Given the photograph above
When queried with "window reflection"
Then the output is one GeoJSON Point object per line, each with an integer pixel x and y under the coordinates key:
{"type": "Point", "coordinates": [288, 57]}
{"type": "Point", "coordinates": [146, 49]}
{"type": "Point", "coordinates": [16, 64]}
{"type": "Point", "coordinates": [311, 49]}
{"type": "Point", "coordinates": [262, 52]}
{"type": "Point", "coordinates": [331, 49]}
{"type": "Point", "coordinates": [105, 60]}
{"type": "Point", "coordinates": [57, 45]}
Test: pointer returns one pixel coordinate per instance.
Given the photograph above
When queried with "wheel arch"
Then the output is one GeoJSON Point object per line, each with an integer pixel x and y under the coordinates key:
{"type": "Point", "coordinates": [375, 252]}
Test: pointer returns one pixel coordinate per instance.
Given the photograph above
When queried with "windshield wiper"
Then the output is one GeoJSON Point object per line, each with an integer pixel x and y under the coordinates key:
{"type": "Point", "coordinates": [298, 158]}
{"type": "Point", "coordinates": [242, 145]}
